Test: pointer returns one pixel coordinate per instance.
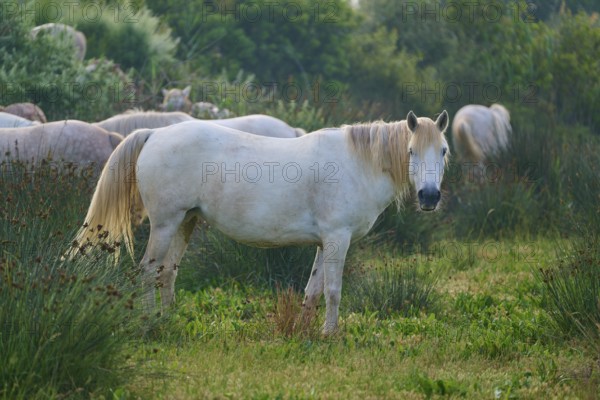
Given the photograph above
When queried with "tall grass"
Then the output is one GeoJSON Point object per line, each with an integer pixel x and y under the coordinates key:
{"type": "Point", "coordinates": [572, 296]}
{"type": "Point", "coordinates": [572, 291]}
{"type": "Point", "coordinates": [392, 287]}
{"type": "Point", "coordinates": [218, 259]}
{"type": "Point", "coordinates": [64, 325]}
{"type": "Point", "coordinates": [520, 188]}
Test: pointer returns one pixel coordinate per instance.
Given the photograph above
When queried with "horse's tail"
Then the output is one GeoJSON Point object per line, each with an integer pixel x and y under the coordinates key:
{"type": "Point", "coordinates": [299, 132]}
{"type": "Point", "coordinates": [109, 216]}
{"type": "Point", "coordinates": [465, 143]}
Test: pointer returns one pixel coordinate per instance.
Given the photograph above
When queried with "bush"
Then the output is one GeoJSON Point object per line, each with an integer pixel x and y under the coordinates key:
{"type": "Point", "coordinates": [390, 288]}
{"type": "Point", "coordinates": [42, 71]}
{"type": "Point", "coordinates": [572, 290]}
{"type": "Point", "coordinates": [134, 40]}
{"type": "Point", "coordinates": [65, 326]}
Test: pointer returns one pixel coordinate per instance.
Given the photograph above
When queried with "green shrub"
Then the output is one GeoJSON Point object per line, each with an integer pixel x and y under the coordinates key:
{"type": "Point", "coordinates": [572, 290]}
{"type": "Point", "coordinates": [42, 71]}
{"type": "Point", "coordinates": [65, 326]}
{"type": "Point", "coordinates": [389, 289]}
{"type": "Point", "coordinates": [497, 328]}
{"type": "Point", "coordinates": [133, 38]}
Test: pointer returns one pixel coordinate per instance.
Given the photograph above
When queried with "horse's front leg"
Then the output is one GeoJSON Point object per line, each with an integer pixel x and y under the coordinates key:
{"type": "Point", "coordinates": [334, 257]}
{"type": "Point", "coordinates": [314, 288]}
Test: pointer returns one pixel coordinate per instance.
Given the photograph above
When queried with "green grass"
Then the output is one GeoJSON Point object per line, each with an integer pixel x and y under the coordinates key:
{"type": "Point", "coordinates": [450, 304]}
{"type": "Point", "coordinates": [488, 338]}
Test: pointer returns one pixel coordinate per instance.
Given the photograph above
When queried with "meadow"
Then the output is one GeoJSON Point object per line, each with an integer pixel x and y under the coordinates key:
{"type": "Point", "coordinates": [494, 296]}
{"type": "Point", "coordinates": [490, 297]}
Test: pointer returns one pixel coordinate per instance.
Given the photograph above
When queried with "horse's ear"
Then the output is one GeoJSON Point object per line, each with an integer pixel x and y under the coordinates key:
{"type": "Point", "coordinates": [187, 90]}
{"type": "Point", "coordinates": [412, 121]}
{"type": "Point", "coordinates": [442, 121]}
{"type": "Point", "coordinates": [164, 92]}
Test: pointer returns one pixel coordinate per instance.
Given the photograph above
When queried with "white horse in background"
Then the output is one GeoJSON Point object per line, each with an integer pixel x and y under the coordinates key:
{"type": "Point", "coordinates": [26, 110]}
{"type": "Point", "coordinates": [260, 124]}
{"type": "Point", "coordinates": [131, 120]}
{"type": "Point", "coordinates": [326, 188]}
{"type": "Point", "coordinates": [480, 132]}
{"type": "Point", "coordinates": [8, 120]}
{"type": "Point", "coordinates": [74, 142]}
{"type": "Point", "coordinates": [257, 124]}
{"type": "Point", "coordinates": [65, 32]}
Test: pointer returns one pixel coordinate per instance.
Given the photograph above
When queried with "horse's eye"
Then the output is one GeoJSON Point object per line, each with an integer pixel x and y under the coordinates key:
{"type": "Point", "coordinates": [410, 151]}
{"type": "Point", "coordinates": [444, 150]}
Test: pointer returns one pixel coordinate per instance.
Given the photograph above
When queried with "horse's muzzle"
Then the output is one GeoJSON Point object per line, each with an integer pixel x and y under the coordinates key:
{"type": "Point", "coordinates": [429, 198]}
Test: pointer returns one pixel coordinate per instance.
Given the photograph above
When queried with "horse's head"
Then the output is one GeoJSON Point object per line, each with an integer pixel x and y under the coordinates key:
{"type": "Point", "coordinates": [428, 151]}
{"type": "Point", "coordinates": [176, 99]}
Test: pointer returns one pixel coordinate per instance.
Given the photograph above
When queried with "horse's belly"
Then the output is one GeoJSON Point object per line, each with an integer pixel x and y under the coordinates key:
{"type": "Point", "coordinates": [268, 224]}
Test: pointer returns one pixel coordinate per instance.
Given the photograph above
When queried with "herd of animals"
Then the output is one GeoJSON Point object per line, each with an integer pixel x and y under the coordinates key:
{"type": "Point", "coordinates": [478, 132]}
{"type": "Point", "coordinates": [172, 187]}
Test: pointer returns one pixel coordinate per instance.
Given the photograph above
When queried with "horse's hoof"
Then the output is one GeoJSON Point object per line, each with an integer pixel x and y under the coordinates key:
{"type": "Point", "coordinates": [330, 330]}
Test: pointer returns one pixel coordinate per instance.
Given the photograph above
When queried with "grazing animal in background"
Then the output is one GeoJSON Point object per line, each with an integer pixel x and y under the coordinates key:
{"type": "Point", "coordinates": [178, 100]}
{"type": "Point", "coordinates": [260, 124]}
{"type": "Point", "coordinates": [131, 120]}
{"type": "Point", "coordinates": [68, 33]}
{"type": "Point", "coordinates": [14, 121]}
{"type": "Point", "coordinates": [480, 132]}
{"type": "Point", "coordinates": [71, 141]}
{"type": "Point", "coordinates": [257, 124]}
{"type": "Point", "coordinates": [26, 110]}
{"type": "Point", "coordinates": [205, 110]}
{"type": "Point", "coordinates": [325, 188]}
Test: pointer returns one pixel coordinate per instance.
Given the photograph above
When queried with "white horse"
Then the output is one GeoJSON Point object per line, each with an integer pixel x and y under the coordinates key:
{"type": "Point", "coordinates": [70, 141]}
{"type": "Point", "coordinates": [8, 120]}
{"type": "Point", "coordinates": [26, 110]}
{"type": "Point", "coordinates": [480, 132]}
{"type": "Point", "coordinates": [326, 188]}
{"type": "Point", "coordinates": [257, 124]}
{"type": "Point", "coordinates": [131, 120]}
{"type": "Point", "coordinates": [65, 32]}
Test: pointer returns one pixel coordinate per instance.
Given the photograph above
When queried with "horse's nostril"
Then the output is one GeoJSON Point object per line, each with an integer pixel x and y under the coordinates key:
{"type": "Point", "coordinates": [420, 194]}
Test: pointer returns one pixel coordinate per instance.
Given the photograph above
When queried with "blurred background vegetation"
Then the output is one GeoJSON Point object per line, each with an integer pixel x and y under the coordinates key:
{"type": "Point", "coordinates": [325, 63]}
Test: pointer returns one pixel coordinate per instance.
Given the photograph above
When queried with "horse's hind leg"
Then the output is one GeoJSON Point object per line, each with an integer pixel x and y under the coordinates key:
{"type": "Point", "coordinates": [152, 264]}
{"type": "Point", "coordinates": [178, 245]}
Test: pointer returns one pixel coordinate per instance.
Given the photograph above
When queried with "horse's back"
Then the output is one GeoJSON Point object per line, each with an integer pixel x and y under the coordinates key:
{"type": "Point", "coordinates": [239, 181]}
{"type": "Point", "coordinates": [127, 122]}
{"type": "Point", "coordinates": [259, 124]}
{"type": "Point", "coordinates": [71, 141]}
{"type": "Point", "coordinates": [9, 120]}
{"type": "Point", "coordinates": [478, 132]}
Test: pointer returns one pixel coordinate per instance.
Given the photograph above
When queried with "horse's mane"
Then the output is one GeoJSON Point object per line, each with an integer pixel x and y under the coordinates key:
{"type": "Point", "coordinates": [386, 146]}
{"type": "Point", "coordinates": [134, 119]}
